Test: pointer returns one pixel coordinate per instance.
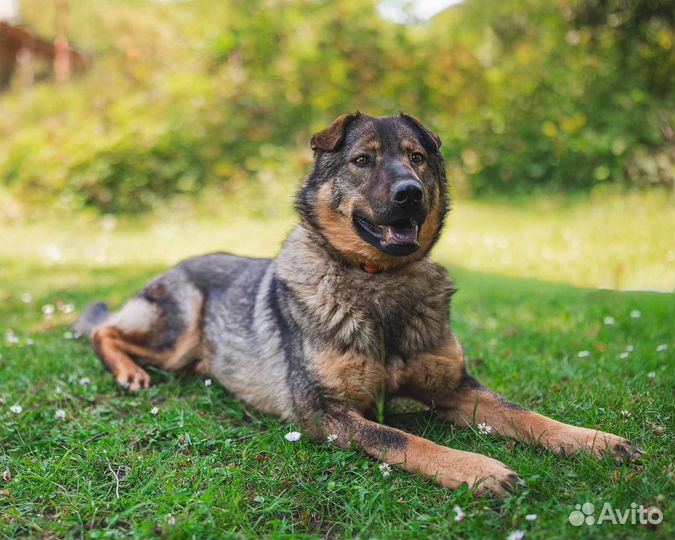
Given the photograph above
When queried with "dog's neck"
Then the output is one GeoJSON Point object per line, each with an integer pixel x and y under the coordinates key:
{"type": "Point", "coordinates": [318, 239]}
{"type": "Point", "coordinates": [350, 306]}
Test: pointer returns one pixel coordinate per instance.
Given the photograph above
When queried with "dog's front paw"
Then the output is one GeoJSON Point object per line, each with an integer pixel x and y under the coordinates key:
{"type": "Point", "coordinates": [492, 476]}
{"type": "Point", "coordinates": [597, 443]}
{"type": "Point", "coordinates": [483, 473]}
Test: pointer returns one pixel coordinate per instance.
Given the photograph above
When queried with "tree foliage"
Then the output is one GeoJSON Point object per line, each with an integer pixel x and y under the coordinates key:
{"type": "Point", "coordinates": [526, 94]}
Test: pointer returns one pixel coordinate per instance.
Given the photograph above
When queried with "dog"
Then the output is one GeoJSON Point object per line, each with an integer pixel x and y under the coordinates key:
{"type": "Point", "coordinates": [350, 311]}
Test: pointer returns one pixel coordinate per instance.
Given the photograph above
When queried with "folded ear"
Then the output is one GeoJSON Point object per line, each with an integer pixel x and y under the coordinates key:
{"type": "Point", "coordinates": [332, 137]}
{"type": "Point", "coordinates": [429, 138]}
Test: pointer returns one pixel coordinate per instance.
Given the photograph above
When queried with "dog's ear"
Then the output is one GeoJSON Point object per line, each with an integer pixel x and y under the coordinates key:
{"type": "Point", "coordinates": [332, 137]}
{"type": "Point", "coordinates": [429, 138]}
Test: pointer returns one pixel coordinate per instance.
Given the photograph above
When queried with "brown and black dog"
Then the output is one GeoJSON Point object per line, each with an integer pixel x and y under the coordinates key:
{"type": "Point", "coordinates": [351, 311]}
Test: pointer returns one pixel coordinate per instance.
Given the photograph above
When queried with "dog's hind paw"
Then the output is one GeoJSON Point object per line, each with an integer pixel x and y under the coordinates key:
{"type": "Point", "coordinates": [133, 378]}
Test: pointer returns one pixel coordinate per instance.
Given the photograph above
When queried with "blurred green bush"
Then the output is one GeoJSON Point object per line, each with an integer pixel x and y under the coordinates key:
{"type": "Point", "coordinates": [526, 95]}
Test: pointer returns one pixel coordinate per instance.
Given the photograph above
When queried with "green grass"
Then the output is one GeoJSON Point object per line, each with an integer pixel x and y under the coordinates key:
{"type": "Point", "coordinates": [207, 466]}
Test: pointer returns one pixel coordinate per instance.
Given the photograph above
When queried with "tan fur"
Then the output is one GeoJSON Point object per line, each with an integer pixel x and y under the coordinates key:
{"type": "Point", "coordinates": [436, 379]}
{"type": "Point", "coordinates": [483, 406]}
{"type": "Point", "coordinates": [355, 378]}
{"type": "Point", "coordinates": [447, 466]}
{"type": "Point", "coordinates": [125, 333]}
{"type": "Point", "coordinates": [106, 340]}
{"type": "Point", "coordinates": [436, 372]}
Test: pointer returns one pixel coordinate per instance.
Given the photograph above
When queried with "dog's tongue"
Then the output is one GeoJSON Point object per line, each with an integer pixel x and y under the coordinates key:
{"type": "Point", "coordinates": [406, 234]}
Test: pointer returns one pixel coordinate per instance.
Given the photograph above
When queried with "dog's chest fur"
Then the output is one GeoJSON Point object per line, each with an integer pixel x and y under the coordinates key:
{"type": "Point", "coordinates": [398, 314]}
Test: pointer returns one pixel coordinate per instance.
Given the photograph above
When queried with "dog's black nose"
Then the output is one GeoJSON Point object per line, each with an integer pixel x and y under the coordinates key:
{"type": "Point", "coordinates": [407, 192]}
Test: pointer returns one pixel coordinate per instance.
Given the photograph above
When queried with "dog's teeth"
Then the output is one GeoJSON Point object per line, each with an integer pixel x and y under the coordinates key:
{"type": "Point", "coordinates": [386, 233]}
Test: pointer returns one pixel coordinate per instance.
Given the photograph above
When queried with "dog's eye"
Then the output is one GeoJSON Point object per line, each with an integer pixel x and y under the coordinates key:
{"type": "Point", "coordinates": [417, 158]}
{"type": "Point", "coordinates": [362, 160]}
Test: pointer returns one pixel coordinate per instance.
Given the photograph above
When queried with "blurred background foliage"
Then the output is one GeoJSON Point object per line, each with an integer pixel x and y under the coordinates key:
{"type": "Point", "coordinates": [191, 96]}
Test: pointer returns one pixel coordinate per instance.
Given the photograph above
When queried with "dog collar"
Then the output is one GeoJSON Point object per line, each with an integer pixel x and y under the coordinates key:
{"type": "Point", "coordinates": [371, 269]}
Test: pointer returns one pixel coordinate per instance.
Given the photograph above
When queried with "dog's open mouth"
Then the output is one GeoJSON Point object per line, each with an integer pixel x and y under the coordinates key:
{"type": "Point", "coordinates": [403, 231]}
{"type": "Point", "coordinates": [397, 238]}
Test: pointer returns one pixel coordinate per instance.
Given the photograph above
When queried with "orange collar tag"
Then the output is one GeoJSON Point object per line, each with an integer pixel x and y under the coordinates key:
{"type": "Point", "coordinates": [371, 269]}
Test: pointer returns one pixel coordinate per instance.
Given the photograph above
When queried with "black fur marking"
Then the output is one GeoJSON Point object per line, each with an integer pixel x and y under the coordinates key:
{"type": "Point", "coordinates": [510, 404]}
{"type": "Point", "coordinates": [170, 324]}
{"type": "Point", "coordinates": [469, 382]}
{"type": "Point", "coordinates": [387, 133]}
{"type": "Point", "coordinates": [306, 393]}
{"type": "Point", "coordinates": [423, 134]}
{"type": "Point", "coordinates": [367, 434]}
{"type": "Point", "coordinates": [381, 437]}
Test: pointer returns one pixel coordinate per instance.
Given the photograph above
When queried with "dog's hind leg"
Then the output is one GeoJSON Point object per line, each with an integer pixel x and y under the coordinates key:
{"type": "Point", "coordinates": [159, 326]}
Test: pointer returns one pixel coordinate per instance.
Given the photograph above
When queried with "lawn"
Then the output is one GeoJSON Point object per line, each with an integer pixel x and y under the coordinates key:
{"type": "Point", "coordinates": [534, 320]}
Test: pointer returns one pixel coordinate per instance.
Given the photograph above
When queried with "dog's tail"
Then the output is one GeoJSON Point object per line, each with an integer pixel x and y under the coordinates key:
{"type": "Point", "coordinates": [93, 315]}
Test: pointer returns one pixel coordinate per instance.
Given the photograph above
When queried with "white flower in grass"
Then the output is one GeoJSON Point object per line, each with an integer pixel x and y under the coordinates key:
{"type": "Point", "coordinates": [624, 355]}
{"type": "Point", "coordinates": [2, 400]}
{"type": "Point", "coordinates": [26, 298]}
{"type": "Point", "coordinates": [29, 341]}
{"type": "Point", "coordinates": [459, 514]}
{"type": "Point", "coordinates": [332, 437]}
{"type": "Point", "coordinates": [16, 409]}
{"type": "Point", "coordinates": [515, 535]}
{"type": "Point", "coordinates": [52, 254]}
{"type": "Point", "coordinates": [67, 308]}
{"type": "Point", "coordinates": [293, 436]}
{"type": "Point", "coordinates": [583, 354]}
{"type": "Point", "coordinates": [6, 475]}
{"type": "Point", "coordinates": [531, 517]}
{"type": "Point", "coordinates": [484, 428]}
{"type": "Point", "coordinates": [630, 348]}
{"type": "Point", "coordinates": [68, 335]}
{"type": "Point", "coordinates": [48, 310]}
{"type": "Point", "coordinates": [84, 381]}
{"type": "Point", "coordinates": [625, 414]}
{"type": "Point", "coordinates": [208, 382]}
{"type": "Point", "coordinates": [11, 337]}
{"type": "Point", "coordinates": [170, 520]}
{"type": "Point", "coordinates": [385, 469]}
{"type": "Point", "coordinates": [651, 375]}
{"type": "Point", "coordinates": [635, 314]}
{"type": "Point", "coordinates": [154, 411]}
{"type": "Point", "coordinates": [60, 414]}
{"type": "Point", "coordinates": [608, 320]}
{"type": "Point", "coordinates": [662, 347]}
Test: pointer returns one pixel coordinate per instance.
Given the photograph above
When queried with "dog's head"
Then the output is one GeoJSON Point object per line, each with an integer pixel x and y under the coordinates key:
{"type": "Point", "coordinates": [378, 190]}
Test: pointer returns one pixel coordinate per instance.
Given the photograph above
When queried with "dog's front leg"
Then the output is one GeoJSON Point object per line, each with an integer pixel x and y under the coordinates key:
{"type": "Point", "coordinates": [450, 468]}
{"type": "Point", "coordinates": [440, 379]}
